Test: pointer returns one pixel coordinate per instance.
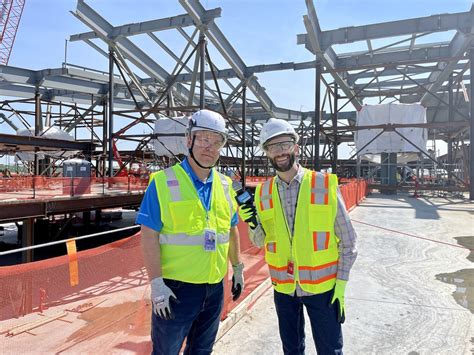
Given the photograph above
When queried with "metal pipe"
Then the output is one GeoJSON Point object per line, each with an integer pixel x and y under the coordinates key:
{"type": "Point", "coordinates": [30, 248]}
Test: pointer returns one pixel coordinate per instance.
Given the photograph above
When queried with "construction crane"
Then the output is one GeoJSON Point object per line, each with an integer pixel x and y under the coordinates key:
{"type": "Point", "coordinates": [10, 15]}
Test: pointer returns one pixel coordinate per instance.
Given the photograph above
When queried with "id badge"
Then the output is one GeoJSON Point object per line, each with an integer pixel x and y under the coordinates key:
{"type": "Point", "coordinates": [210, 240]}
{"type": "Point", "coordinates": [290, 270]}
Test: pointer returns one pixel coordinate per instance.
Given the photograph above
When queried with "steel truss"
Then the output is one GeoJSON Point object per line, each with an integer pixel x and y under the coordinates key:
{"type": "Point", "coordinates": [119, 101]}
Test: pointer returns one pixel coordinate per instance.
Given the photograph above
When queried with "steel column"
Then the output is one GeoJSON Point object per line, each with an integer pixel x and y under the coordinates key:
{"type": "Point", "coordinates": [471, 133]}
{"type": "Point", "coordinates": [111, 111]}
{"type": "Point", "coordinates": [202, 73]}
{"type": "Point", "coordinates": [449, 165]}
{"type": "Point", "coordinates": [244, 136]}
{"type": "Point", "coordinates": [317, 118]}
{"type": "Point", "coordinates": [334, 125]}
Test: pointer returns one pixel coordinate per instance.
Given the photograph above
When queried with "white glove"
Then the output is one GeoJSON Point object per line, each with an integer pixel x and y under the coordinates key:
{"type": "Point", "coordinates": [237, 281]}
{"type": "Point", "coordinates": [160, 298]}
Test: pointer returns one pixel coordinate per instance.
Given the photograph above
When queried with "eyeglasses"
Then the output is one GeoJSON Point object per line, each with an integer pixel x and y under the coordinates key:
{"type": "Point", "coordinates": [207, 141]}
{"type": "Point", "coordinates": [280, 146]}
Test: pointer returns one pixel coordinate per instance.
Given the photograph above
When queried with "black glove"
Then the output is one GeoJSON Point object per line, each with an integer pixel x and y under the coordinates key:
{"type": "Point", "coordinates": [248, 213]}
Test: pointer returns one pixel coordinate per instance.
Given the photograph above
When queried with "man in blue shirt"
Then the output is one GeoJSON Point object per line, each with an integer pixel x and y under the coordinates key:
{"type": "Point", "coordinates": [183, 309]}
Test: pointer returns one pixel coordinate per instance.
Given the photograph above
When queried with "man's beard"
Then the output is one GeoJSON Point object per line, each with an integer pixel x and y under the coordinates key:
{"type": "Point", "coordinates": [288, 165]}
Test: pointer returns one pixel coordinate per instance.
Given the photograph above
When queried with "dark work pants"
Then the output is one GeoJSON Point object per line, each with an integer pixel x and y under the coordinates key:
{"type": "Point", "coordinates": [197, 317]}
{"type": "Point", "coordinates": [327, 331]}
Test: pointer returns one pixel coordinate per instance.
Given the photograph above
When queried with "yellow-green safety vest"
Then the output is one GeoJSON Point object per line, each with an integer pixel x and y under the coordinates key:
{"type": "Point", "coordinates": [185, 220]}
{"type": "Point", "coordinates": [313, 248]}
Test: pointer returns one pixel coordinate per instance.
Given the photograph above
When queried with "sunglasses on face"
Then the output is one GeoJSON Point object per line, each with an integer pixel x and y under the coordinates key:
{"type": "Point", "coordinates": [280, 146]}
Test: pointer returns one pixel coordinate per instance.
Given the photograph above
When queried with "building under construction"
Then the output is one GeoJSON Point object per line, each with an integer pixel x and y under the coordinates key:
{"type": "Point", "coordinates": [77, 142]}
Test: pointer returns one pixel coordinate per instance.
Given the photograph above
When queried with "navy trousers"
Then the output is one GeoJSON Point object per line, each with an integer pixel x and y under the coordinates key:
{"type": "Point", "coordinates": [197, 317]}
{"type": "Point", "coordinates": [327, 331]}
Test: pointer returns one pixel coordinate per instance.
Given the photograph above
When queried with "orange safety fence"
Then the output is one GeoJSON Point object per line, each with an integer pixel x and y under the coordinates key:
{"type": "Point", "coordinates": [99, 298]}
{"type": "Point", "coordinates": [27, 187]}
{"type": "Point", "coordinates": [92, 293]}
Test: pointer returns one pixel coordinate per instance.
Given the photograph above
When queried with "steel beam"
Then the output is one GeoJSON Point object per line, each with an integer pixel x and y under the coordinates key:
{"type": "Point", "coordinates": [434, 23]}
{"type": "Point", "coordinates": [217, 38]}
{"type": "Point", "coordinates": [163, 24]}
{"type": "Point", "coordinates": [314, 31]}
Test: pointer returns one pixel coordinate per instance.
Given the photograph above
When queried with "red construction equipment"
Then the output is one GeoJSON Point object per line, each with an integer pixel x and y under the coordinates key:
{"type": "Point", "coordinates": [10, 14]}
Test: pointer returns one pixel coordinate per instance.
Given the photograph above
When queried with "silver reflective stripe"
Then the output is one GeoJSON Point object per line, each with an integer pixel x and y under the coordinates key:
{"type": "Point", "coordinates": [279, 275]}
{"type": "Point", "coordinates": [184, 239]}
{"type": "Point", "coordinates": [319, 191]}
{"type": "Point", "coordinates": [226, 186]}
{"type": "Point", "coordinates": [173, 185]}
{"type": "Point", "coordinates": [271, 247]}
{"type": "Point", "coordinates": [317, 275]}
{"type": "Point", "coordinates": [265, 196]}
{"type": "Point", "coordinates": [321, 240]}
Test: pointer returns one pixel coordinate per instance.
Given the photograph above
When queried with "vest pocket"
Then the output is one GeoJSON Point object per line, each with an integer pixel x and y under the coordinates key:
{"type": "Point", "coordinates": [267, 219]}
{"type": "Point", "coordinates": [186, 216]}
{"type": "Point", "coordinates": [320, 218]}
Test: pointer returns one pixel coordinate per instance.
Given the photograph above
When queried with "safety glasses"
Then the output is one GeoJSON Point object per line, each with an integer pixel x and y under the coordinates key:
{"type": "Point", "coordinates": [280, 146]}
{"type": "Point", "coordinates": [209, 140]}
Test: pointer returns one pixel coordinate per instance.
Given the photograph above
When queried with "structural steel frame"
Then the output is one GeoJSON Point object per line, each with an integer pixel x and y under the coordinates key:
{"type": "Point", "coordinates": [436, 74]}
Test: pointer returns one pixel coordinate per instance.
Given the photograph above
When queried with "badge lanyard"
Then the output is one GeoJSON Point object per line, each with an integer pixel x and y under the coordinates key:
{"type": "Point", "coordinates": [290, 269]}
{"type": "Point", "coordinates": [210, 235]}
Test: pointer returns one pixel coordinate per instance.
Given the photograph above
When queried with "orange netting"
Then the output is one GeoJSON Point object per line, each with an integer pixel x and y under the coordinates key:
{"type": "Point", "coordinates": [99, 298]}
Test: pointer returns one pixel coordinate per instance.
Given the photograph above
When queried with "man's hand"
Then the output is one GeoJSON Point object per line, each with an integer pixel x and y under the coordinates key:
{"type": "Point", "coordinates": [248, 213]}
{"type": "Point", "coordinates": [160, 299]}
{"type": "Point", "coordinates": [237, 281]}
{"type": "Point", "coordinates": [338, 297]}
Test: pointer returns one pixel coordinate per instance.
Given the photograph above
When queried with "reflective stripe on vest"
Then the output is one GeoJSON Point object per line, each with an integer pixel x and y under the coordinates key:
{"type": "Point", "coordinates": [317, 274]}
{"type": "Point", "coordinates": [173, 185]}
{"type": "Point", "coordinates": [271, 247]}
{"type": "Point", "coordinates": [320, 240]}
{"type": "Point", "coordinates": [319, 188]}
{"type": "Point", "coordinates": [266, 200]}
{"type": "Point", "coordinates": [184, 239]}
{"type": "Point", "coordinates": [279, 275]}
{"type": "Point", "coordinates": [226, 186]}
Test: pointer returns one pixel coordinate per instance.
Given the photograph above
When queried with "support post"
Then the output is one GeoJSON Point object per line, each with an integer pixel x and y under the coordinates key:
{"type": "Point", "coordinates": [317, 118]}
{"type": "Point", "coordinates": [244, 140]}
{"type": "Point", "coordinates": [111, 111]}
{"type": "Point", "coordinates": [471, 132]}
{"type": "Point", "coordinates": [202, 73]}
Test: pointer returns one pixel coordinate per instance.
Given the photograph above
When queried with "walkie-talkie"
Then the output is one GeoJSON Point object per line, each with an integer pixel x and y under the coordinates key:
{"type": "Point", "coordinates": [244, 197]}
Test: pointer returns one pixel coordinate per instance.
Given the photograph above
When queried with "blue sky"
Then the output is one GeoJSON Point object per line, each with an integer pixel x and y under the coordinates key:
{"type": "Point", "coordinates": [262, 32]}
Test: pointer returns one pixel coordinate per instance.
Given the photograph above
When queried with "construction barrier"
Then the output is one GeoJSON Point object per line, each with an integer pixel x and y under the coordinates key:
{"type": "Point", "coordinates": [100, 297]}
{"type": "Point", "coordinates": [27, 187]}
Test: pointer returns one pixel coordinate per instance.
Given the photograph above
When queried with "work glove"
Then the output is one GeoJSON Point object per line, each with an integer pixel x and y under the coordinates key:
{"type": "Point", "coordinates": [237, 281]}
{"type": "Point", "coordinates": [338, 298]}
{"type": "Point", "coordinates": [248, 214]}
{"type": "Point", "coordinates": [160, 299]}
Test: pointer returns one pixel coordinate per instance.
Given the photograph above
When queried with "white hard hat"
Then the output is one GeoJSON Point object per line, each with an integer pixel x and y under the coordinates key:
{"type": "Point", "coordinates": [205, 120]}
{"type": "Point", "coordinates": [276, 127]}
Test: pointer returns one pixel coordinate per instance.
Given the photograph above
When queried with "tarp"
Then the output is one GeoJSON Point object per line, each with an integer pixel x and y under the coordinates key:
{"type": "Point", "coordinates": [391, 142]}
{"type": "Point", "coordinates": [50, 133]}
{"type": "Point", "coordinates": [171, 140]}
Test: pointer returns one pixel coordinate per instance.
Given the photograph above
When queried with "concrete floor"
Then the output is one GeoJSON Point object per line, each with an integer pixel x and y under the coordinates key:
{"type": "Point", "coordinates": [406, 295]}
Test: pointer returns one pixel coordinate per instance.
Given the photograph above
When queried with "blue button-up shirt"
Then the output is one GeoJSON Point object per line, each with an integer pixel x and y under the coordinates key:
{"type": "Point", "coordinates": [150, 214]}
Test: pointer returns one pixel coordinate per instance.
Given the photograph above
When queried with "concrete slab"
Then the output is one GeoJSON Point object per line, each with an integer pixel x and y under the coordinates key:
{"type": "Point", "coordinates": [397, 302]}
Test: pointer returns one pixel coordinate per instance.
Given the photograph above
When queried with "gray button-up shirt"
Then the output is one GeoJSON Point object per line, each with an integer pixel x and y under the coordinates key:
{"type": "Point", "coordinates": [342, 226]}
